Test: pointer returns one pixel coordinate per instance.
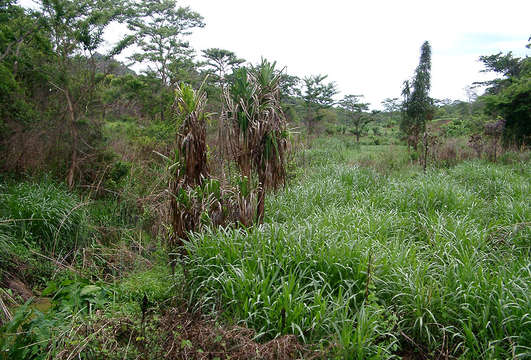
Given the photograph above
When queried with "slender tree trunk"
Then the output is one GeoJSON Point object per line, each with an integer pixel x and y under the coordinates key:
{"type": "Point", "coordinates": [425, 151]}
{"type": "Point", "coordinates": [309, 119]}
{"type": "Point", "coordinates": [74, 136]}
{"type": "Point", "coordinates": [221, 138]}
{"type": "Point", "coordinates": [163, 86]}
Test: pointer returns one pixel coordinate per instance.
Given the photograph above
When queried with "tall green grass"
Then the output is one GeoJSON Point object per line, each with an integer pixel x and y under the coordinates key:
{"type": "Point", "coordinates": [372, 263]}
{"type": "Point", "coordinates": [42, 214]}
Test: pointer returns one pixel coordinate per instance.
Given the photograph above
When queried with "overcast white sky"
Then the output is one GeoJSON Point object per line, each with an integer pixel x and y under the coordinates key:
{"type": "Point", "coordinates": [367, 47]}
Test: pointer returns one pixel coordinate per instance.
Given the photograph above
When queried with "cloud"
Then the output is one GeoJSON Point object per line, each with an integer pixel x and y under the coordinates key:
{"type": "Point", "coordinates": [366, 47]}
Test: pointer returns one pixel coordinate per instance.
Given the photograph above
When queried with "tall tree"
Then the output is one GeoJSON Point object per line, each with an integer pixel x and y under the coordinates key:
{"type": "Point", "coordinates": [76, 31]}
{"type": "Point", "coordinates": [353, 110]}
{"type": "Point", "coordinates": [160, 28]}
{"type": "Point", "coordinates": [220, 61]}
{"type": "Point", "coordinates": [417, 107]}
{"type": "Point", "coordinates": [317, 95]}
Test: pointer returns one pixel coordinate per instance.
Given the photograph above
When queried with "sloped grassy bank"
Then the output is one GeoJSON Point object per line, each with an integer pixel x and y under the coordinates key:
{"type": "Point", "coordinates": [372, 265]}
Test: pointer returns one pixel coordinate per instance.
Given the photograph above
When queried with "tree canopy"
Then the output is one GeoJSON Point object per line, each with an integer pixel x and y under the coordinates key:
{"type": "Point", "coordinates": [510, 96]}
{"type": "Point", "coordinates": [317, 95]}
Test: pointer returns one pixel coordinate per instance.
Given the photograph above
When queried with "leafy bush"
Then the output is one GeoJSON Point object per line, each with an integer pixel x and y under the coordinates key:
{"type": "Point", "coordinates": [34, 334]}
{"type": "Point", "coordinates": [456, 127]}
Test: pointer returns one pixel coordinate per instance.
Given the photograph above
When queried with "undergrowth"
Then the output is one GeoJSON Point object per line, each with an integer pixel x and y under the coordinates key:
{"type": "Point", "coordinates": [44, 214]}
{"type": "Point", "coordinates": [361, 256]}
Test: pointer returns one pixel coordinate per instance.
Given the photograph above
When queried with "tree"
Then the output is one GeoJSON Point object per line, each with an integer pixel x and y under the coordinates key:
{"type": "Point", "coordinates": [505, 64]}
{"type": "Point", "coordinates": [510, 95]}
{"type": "Point", "coordinates": [76, 31]}
{"type": "Point", "coordinates": [219, 61]}
{"type": "Point", "coordinates": [417, 107]}
{"type": "Point", "coordinates": [317, 95]}
{"type": "Point", "coordinates": [391, 107]}
{"type": "Point", "coordinates": [160, 27]}
{"type": "Point", "coordinates": [353, 111]}
{"type": "Point", "coordinates": [513, 103]}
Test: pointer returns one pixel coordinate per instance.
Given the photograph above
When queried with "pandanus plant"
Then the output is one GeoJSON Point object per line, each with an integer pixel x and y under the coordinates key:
{"type": "Point", "coordinates": [189, 188]}
{"type": "Point", "coordinates": [257, 134]}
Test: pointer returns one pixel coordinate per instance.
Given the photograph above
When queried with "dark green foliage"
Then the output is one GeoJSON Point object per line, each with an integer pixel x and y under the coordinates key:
{"type": "Point", "coordinates": [22, 44]}
{"type": "Point", "coordinates": [12, 104]}
{"type": "Point", "coordinates": [513, 103]}
{"type": "Point", "coordinates": [510, 95]}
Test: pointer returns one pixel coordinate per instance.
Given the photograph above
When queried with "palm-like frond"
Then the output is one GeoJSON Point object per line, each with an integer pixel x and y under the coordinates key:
{"type": "Point", "coordinates": [188, 200]}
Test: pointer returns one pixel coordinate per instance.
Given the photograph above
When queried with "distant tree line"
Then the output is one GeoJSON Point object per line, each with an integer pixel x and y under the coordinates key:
{"type": "Point", "coordinates": [58, 88]}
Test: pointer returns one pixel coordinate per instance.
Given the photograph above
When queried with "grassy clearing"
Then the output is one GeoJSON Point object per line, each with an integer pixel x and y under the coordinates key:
{"type": "Point", "coordinates": [378, 263]}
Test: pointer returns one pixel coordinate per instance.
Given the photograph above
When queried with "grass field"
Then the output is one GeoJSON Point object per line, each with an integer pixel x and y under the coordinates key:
{"type": "Point", "coordinates": [361, 256]}
{"type": "Point", "coordinates": [379, 264]}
